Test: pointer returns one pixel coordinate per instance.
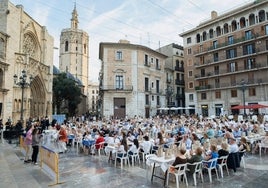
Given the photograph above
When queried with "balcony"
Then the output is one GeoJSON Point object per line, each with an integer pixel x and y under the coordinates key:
{"type": "Point", "coordinates": [126, 88]}
{"type": "Point", "coordinates": [203, 87]}
{"type": "Point", "coordinates": [227, 44]}
{"type": "Point", "coordinates": [169, 80]}
{"type": "Point", "coordinates": [180, 96]}
{"type": "Point", "coordinates": [242, 69]}
{"type": "Point", "coordinates": [147, 64]}
{"type": "Point", "coordinates": [180, 82]}
{"type": "Point", "coordinates": [177, 68]}
{"type": "Point", "coordinates": [158, 67]}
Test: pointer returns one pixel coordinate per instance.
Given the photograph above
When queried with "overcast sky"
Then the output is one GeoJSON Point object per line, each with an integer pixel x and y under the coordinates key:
{"type": "Point", "coordinates": [151, 23]}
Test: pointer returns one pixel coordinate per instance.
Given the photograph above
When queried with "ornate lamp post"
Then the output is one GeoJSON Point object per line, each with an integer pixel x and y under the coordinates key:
{"type": "Point", "coordinates": [22, 83]}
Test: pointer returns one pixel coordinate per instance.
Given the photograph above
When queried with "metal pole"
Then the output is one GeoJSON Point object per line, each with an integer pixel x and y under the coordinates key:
{"type": "Point", "coordinates": [22, 100]}
{"type": "Point", "coordinates": [244, 100]}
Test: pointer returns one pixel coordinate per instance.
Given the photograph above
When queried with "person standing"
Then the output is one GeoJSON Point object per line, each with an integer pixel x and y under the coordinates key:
{"type": "Point", "coordinates": [28, 144]}
{"type": "Point", "coordinates": [63, 139]}
{"type": "Point", "coordinates": [35, 145]}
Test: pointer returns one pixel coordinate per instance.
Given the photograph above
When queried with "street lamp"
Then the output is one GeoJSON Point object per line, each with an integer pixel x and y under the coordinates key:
{"type": "Point", "coordinates": [243, 88]}
{"type": "Point", "coordinates": [22, 82]}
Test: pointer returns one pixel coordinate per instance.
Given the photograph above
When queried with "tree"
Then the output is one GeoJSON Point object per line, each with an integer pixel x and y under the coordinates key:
{"type": "Point", "coordinates": [66, 94]}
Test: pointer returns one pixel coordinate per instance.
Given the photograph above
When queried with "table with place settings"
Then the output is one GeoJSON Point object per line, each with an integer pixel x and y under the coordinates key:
{"type": "Point", "coordinates": [163, 162]}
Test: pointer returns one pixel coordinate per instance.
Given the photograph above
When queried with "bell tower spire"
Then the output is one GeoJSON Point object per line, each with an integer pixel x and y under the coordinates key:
{"type": "Point", "coordinates": [74, 20]}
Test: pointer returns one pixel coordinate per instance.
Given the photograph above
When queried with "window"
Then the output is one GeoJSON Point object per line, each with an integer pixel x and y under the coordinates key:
{"type": "Point", "coordinates": [248, 49]}
{"type": "Point", "coordinates": [203, 72]}
{"type": "Point", "coordinates": [191, 85]}
{"type": "Point", "coordinates": [189, 40]}
{"type": "Point", "coordinates": [191, 97]}
{"type": "Point", "coordinates": [232, 67]}
{"type": "Point", "coordinates": [266, 29]}
{"type": "Point", "coordinates": [231, 53]}
{"type": "Point", "coordinates": [146, 59]}
{"type": "Point", "coordinates": [216, 70]}
{"type": "Point", "coordinates": [252, 91]}
{"type": "Point", "coordinates": [233, 93]}
{"type": "Point", "coordinates": [152, 60]}
{"type": "Point", "coordinates": [85, 48]}
{"type": "Point", "coordinates": [147, 100]}
{"type": "Point", "coordinates": [66, 46]}
{"type": "Point", "coordinates": [211, 33]}
{"type": "Point", "coordinates": [157, 65]}
{"type": "Point", "coordinates": [93, 91]}
{"type": "Point", "coordinates": [189, 62]}
{"type": "Point", "coordinates": [157, 86]}
{"type": "Point", "coordinates": [152, 85]}
{"type": "Point", "coordinates": [203, 96]}
{"type": "Point", "coordinates": [217, 82]}
{"type": "Point", "coordinates": [158, 100]}
{"type": "Point", "coordinates": [215, 44]}
{"type": "Point", "coordinates": [230, 40]}
{"type": "Point", "coordinates": [216, 57]}
{"type": "Point", "coordinates": [248, 35]}
{"type": "Point", "coordinates": [2, 48]}
{"type": "Point", "coordinates": [249, 64]}
{"type": "Point", "coordinates": [119, 82]}
{"type": "Point", "coordinates": [152, 97]}
{"type": "Point", "coordinates": [217, 94]}
{"type": "Point", "coordinates": [189, 51]}
{"type": "Point", "coordinates": [119, 55]}
{"type": "Point", "coordinates": [146, 84]}
{"type": "Point", "coordinates": [190, 73]}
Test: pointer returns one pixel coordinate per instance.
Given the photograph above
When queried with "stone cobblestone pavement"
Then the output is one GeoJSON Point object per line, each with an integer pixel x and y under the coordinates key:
{"type": "Point", "coordinates": [79, 170]}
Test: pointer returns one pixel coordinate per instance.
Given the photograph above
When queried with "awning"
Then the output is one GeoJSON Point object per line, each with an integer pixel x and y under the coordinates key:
{"type": "Point", "coordinates": [251, 106]}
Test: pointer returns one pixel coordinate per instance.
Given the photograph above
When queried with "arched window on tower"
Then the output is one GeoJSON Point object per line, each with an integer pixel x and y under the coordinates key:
{"type": "Point", "coordinates": [1, 78]}
{"type": "Point", "coordinates": [85, 48]}
{"type": "Point", "coordinates": [66, 46]}
{"type": "Point", "coordinates": [2, 48]}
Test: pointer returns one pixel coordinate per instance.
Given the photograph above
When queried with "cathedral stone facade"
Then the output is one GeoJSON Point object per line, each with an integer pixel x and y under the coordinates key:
{"type": "Point", "coordinates": [24, 45]}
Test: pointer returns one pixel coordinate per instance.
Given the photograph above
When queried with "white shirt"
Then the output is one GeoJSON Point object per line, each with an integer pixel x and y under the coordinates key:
{"type": "Point", "coordinates": [233, 148]}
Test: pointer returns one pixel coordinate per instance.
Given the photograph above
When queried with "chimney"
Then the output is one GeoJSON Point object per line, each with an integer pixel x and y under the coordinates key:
{"type": "Point", "coordinates": [214, 14]}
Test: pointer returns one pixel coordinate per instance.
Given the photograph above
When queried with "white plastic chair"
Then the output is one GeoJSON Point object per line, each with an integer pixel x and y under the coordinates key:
{"type": "Point", "coordinates": [264, 146]}
{"type": "Point", "coordinates": [100, 148]}
{"type": "Point", "coordinates": [223, 163]}
{"type": "Point", "coordinates": [211, 165]}
{"type": "Point", "coordinates": [197, 170]}
{"type": "Point", "coordinates": [243, 158]}
{"type": "Point", "coordinates": [179, 170]}
{"type": "Point", "coordinates": [123, 159]}
{"type": "Point", "coordinates": [135, 157]}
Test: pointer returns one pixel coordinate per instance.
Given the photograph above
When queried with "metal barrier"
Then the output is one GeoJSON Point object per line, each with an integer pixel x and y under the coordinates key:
{"type": "Point", "coordinates": [50, 163]}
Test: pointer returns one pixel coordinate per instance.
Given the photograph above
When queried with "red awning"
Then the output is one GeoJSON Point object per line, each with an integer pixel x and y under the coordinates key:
{"type": "Point", "coordinates": [256, 106]}
{"type": "Point", "coordinates": [238, 107]}
{"type": "Point", "coordinates": [251, 106]}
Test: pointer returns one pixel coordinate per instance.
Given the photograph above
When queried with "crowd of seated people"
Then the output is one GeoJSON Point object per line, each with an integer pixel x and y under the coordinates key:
{"type": "Point", "coordinates": [202, 139]}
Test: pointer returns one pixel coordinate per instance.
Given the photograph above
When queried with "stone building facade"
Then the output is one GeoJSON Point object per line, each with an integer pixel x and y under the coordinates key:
{"type": "Point", "coordinates": [226, 61]}
{"type": "Point", "coordinates": [24, 45]}
{"type": "Point", "coordinates": [174, 68]}
{"type": "Point", "coordinates": [132, 79]}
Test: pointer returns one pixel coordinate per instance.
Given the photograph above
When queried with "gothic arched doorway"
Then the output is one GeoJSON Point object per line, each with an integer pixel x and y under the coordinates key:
{"type": "Point", "coordinates": [38, 99]}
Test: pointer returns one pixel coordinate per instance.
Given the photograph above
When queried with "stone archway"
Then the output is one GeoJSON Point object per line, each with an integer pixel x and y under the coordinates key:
{"type": "Point", "coordinates": [38, 98]}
